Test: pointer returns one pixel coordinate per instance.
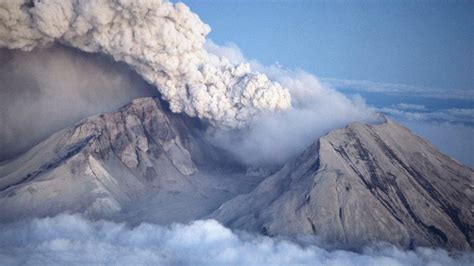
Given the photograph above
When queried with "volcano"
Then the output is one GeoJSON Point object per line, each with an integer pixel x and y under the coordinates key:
{"type": "Point", "coordinates": [355, 186]}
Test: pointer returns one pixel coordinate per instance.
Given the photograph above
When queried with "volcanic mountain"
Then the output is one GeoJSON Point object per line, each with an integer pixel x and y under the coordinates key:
{"type": "Point", "coordinates": [355, 186]}
{"type": "Point", "coordinates": [361, 184]}
{"type": "Point", "coordinates": [138, 164]}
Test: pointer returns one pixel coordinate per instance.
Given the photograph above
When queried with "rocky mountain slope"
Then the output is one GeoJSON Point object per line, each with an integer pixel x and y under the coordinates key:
{"type": "Point", "coordinates": [362, 184]}
{"type": "Point", "coordinates": [355, 186]}
{"type": "Point", "coordinates": [141, 163]}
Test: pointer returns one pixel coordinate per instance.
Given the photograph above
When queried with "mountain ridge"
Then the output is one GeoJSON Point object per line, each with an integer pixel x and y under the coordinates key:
{"type": "Point", "coordinates": [355, 186]}
{"type": "Point", "coordinates": [108, 162]}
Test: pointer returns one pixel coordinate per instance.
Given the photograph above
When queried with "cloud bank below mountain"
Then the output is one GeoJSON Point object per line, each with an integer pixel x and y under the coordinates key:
{"type": "Point", "coordinates": [72, 240]}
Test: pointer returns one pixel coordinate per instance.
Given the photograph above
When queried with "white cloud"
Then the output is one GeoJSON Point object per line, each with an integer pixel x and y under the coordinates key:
{"type": "Point", "coordinates": [408, 106]}
{"type": "Point", "coordinates": [398, 89]}
{"type": "Point", "coordinates": [230, 51]}
{"type": "Point", "coordinates": [72, 240]}
{"type": "Point", "coordinates": [273, 138]}
{"type": "Point", "coordinates": [452, 115]}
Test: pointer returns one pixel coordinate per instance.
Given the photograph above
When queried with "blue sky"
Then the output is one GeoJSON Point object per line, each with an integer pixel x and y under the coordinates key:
{"type": "Point", "coordinates": [423, 43]}
{"type": "Point", "coordinates": [413, 61]}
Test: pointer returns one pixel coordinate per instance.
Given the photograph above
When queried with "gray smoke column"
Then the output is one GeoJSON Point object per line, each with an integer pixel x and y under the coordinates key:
{"type": "Point", "coordinates": [162, 41]}
{"type": "Point", "coordinates": [53, 88]}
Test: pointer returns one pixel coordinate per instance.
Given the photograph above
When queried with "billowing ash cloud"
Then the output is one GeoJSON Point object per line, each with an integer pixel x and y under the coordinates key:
{"type": "Point", "coordinates": [162, 41]}
{"type": "Point", "coordinates": [71, 240]}
{"type": "Point", "coordinates": [52, 88]}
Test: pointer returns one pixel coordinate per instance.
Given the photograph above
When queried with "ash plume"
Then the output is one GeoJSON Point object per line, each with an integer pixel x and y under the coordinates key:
{"type": "Point", "coordinates": [45, 91]}
{"type": "Point", "coordinates": [162, 41]}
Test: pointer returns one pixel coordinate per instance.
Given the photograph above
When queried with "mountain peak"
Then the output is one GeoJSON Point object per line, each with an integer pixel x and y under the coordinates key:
{"type": "Point", "coordinates": [362, 184]}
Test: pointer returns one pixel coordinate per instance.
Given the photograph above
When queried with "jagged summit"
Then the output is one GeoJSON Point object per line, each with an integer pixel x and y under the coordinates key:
{"type": "Point", "coordinates": [362, 184]}
{"type": "Point", "coordinates": [357, 185]}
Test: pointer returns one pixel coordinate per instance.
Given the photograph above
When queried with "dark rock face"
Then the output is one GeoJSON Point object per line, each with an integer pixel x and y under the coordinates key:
{"type": "Point", "coordinates": [362, 184]}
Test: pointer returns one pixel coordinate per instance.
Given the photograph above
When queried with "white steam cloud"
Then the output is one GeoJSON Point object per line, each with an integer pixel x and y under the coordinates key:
{"type": "Point", "coordinates": [72, 240]}
{"type": "Point", "coordinates": [162, 41]}
{"type": "Point", "coordinates": [274, 138]}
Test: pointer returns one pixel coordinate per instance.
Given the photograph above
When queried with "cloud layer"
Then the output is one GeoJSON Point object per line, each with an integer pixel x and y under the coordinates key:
{"type": "Point", "coordinates": [72, 240]}
{"type": "Point", "coordinates": [421, 113]}
{"type": "Point", "coordinates": [346, 85]}
{"type": "Point", "coordinates": [162, 41]}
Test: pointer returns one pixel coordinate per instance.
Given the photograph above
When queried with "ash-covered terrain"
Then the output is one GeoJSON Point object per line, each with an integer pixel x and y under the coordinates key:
{"type": "Point", "coordinates": [363, 184]}
{"type": "Point", "coordinates": [355, 186]}
{"type": "Point", "coordinates": [139, 164]}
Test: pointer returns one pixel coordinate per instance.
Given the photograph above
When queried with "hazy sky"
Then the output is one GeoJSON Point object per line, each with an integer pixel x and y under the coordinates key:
{"type": "Point", "coordinates": [422, 43]}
